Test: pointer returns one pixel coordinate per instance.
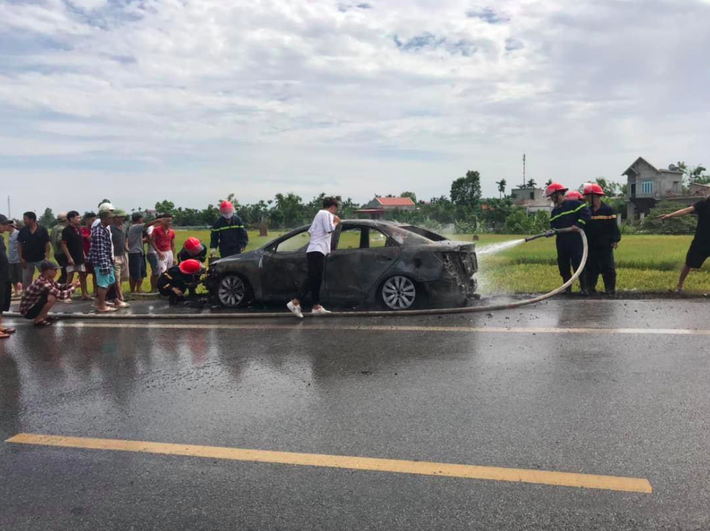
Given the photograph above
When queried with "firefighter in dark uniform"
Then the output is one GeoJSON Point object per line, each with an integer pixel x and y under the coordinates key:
{"type": "Point", "coordinates": [177, 280]}
{"type": "Point", "coordinates": [568, 213]}
{"type": "Point", "coordinates": [228, 233]}
{"type": "Point", "coordinates": [193, 248]}
{"type": "Point", "coordinates": [604, 236]}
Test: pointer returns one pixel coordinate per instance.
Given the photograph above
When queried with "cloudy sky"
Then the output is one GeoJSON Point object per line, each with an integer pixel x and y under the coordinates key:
{"type": "Point", "coordinates": [189, 100]}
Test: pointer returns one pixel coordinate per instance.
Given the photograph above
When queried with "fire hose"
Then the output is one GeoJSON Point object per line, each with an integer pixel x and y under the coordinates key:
{"type": "Point", "coordinates": [376, 313]}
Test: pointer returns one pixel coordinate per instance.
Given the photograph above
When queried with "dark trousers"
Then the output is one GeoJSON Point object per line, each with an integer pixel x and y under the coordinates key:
{"type": "Point", "coordinates": [62, 261]}
{"type": "Point", "coordinates": [316, 263]}
{"type": "Point", "coordinates": [601, 260]}
{"type": "Point", "coordinates": [569, 253]}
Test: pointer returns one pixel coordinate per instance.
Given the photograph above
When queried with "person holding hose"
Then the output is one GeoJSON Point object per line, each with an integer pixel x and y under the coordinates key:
{"type": "Point", "coordinates": [604, 236]}
{"type": "Point", "coordinates": [228, 233]}
{"type": "Point", "coordinates": [568, 213]}
{"type": "Point", "coordinates": [699, 249]}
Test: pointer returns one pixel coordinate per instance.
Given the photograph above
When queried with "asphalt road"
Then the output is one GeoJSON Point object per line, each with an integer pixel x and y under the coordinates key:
{"type": "Point", "coordinates": [530, 389]}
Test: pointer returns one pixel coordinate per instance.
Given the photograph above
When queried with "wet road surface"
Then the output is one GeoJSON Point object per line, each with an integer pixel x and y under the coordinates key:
{"type": "Point", "coordinates": [507, 391]}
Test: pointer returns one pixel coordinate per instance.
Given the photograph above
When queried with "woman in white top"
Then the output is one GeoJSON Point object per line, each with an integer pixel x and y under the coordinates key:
{"type": "Point", "coordinates": [321, 230]}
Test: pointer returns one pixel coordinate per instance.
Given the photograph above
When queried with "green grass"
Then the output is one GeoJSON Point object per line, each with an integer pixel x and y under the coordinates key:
{"type": "Point", "coordinates": [644, 263]}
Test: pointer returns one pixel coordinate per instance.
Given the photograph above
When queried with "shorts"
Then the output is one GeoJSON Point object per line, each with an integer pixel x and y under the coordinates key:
{"type": "Point", "coordinates": [15, 273]}
{"type": "Point", "coordinates": [61, 260]}
{"type": "Point", "coordinates": [697, 254]}
{"type": "Point", "coordinates": [136, 266]}
{"type": "Point", "coordinates": [5, 296]}
{"type": "Point", "coordinates": [120, 267]}
{"type": "Point", "coordinates": [76, 268]}
{"type": "Point", "coordinates": [166, 263]}
{"type": "Point", "coordinates": [37, 308]}
{"type": "Point", "coordinates": [105, 281]}
{"type": "Point", "coordinates": [153, 261]}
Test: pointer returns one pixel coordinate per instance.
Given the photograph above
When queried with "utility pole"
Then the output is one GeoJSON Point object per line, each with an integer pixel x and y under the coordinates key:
{"type": "Point", "coordinates": [9, 211]}
{"type": "Point", "coordinates": [524, 181]}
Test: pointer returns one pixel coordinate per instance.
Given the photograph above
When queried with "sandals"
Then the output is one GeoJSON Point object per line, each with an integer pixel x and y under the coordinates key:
{"type": "Point", "coordinates": [46, 322]}
{"type": "Point", "coordinates": [7, 331]}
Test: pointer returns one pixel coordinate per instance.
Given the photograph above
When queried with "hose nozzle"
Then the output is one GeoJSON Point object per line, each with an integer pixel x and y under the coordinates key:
{"type": "Point", "coordinates": [547, 234]}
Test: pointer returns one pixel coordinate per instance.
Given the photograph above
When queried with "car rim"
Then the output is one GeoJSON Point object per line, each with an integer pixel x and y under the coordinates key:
{"type": "Point", "coordinates": [231, 291]}
{"type": "Point", "coordinates": [399, 293]}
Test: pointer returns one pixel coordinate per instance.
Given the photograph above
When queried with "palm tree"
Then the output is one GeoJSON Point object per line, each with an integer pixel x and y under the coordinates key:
{"type": "Point", "coordinates": [532, 183]}
{"type": "Point", "coordinates": [501, 187]}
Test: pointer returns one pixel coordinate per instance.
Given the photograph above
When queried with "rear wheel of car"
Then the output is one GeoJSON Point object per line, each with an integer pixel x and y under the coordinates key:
{"type": "Point", "coordinates": [399, 293]}
{"type": "Point", "coordinates": [233, 291]}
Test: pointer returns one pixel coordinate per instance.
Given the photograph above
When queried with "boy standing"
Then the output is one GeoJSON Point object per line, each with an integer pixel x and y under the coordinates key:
{"type": "Point", "coordinates": [5, 284]}
{"type": "Point", "coordinates": [163, 240]}
{"type": "Point", "coordinates": [73, 248]}
{"type": "Point", "coordinates": [321, 229]}
{"type": "Point", "coordinates": [14, 258]}
{"type": "Point", "coordinates": [33, 246]}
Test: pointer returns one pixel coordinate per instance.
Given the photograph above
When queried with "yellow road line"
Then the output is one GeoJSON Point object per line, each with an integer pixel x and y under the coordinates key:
{"type": "Point", "coordinates": [395, 328]}
{"type": "Point", "coordinates": [541, 477]}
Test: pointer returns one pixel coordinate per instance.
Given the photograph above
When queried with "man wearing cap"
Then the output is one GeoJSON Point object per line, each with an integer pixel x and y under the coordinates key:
{"type": "Point", "coordinates": [568, 213]}
{"type": "Point", "coordinates": [5, 284]}
{"type": "Point", "coordinates": [33, 246]}
{"type": "Point", "coordinates": [604, 236]}
{"type": "Point", "coordinates": [40, 296]}
{"type": "Point", "coordinates": [228, 232]}
{"type": "Point", "coordinates": [101, 257]}
{"type": "Point", "coordinates": [55, 238]}
{"type": "Point", "coordinates": [136, 240]}
{"type": "Point", "coordinates": [177, 280]}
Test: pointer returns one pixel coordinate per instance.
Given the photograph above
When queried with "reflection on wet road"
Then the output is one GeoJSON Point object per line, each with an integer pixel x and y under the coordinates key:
{"type": "Point", "coordinates": [506, 391]}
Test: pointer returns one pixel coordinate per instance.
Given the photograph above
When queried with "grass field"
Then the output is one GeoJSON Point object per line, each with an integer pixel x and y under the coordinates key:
{"type": "Point", "coordinates": [644, 263]}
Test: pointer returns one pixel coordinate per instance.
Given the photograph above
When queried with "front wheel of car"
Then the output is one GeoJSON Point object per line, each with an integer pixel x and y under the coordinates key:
{"type": "Point", "coordinates": [399, 293]}
{"type": "Point", "coordinates": [233, 291]}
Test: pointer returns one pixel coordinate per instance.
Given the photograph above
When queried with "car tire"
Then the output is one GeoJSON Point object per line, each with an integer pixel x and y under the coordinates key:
{"type": "Point", "coordinates": [233, 291]}
{"type": "Point", "coordinates": [399, 293]}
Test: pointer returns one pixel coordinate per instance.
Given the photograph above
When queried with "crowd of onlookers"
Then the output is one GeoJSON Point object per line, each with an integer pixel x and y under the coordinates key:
{"type": "Point", "coordinates": [98, 250]}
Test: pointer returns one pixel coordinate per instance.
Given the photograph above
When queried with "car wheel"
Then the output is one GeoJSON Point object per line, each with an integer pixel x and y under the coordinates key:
{"type": "Point", "coordinates": [399, 293]}
{"type": "Point", "coordinates": [232, 291]}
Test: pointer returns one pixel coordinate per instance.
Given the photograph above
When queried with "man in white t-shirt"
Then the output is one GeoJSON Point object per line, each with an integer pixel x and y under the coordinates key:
{"type": "Point", "coordinates": [321, 230]}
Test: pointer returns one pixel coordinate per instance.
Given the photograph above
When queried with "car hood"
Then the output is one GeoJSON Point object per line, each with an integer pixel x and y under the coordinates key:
{"type": "Point", "coordinates": [242, 257]}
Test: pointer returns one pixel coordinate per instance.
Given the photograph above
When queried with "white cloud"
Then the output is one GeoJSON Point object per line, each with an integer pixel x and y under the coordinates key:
{"type": "Point", "coordinates": [298, 96]}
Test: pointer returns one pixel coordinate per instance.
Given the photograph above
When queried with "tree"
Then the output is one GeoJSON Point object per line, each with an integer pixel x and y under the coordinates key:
{"type": "Point", "coordinates": [466, 191]}
{"type": "Point", "coordinates": [548, 183]}
{"type": "Point", "coordinates": [410, 195]}
{"type": "Point", "coordinates": [47, 220]}
{"type": "Point", "coordinates": [679, 225]}
{"type": "Point", "coordinates": [165, 207]}
{"type": "Point", "coordinates": [288, 211]}
{"type": "Point", "coordinates": [611, 188]}
{"type": "Point", "coordinates": [531, 183]}
{"type": "Point", "coordinates": [501, 187]}
{"type": "Point", "coordinates": [102, 202]}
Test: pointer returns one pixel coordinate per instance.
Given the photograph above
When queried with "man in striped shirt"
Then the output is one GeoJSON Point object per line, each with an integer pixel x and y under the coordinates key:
{"type": "Point", "coordinates": [41, 295]}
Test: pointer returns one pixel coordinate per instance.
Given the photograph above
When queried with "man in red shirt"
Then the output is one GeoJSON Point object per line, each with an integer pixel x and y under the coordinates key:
{"type": "Point", "coordinates": [163, 241]}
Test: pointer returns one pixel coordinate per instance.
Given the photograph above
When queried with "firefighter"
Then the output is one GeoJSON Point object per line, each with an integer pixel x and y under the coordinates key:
{"type": "Point", "coordinates": [604, 236]}
{"type": "Point", "coordinates": [177, 280]}
{"type": "Point", "coordinates": [568, 213]}
{"type": "Point", "coordinates": [574, 194]}
{"type": "Point", "coordinates": [228, 232]}
{"type": "Point", "coordinates": [193, 248]}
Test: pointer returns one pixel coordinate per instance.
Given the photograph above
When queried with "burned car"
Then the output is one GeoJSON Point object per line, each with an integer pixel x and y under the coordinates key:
{"type": "Point", "coordinates": [396, 266]}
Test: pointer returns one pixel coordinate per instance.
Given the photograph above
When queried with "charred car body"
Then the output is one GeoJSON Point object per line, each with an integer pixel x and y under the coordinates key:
{"type": "Point", "coordinates": [398, 266]}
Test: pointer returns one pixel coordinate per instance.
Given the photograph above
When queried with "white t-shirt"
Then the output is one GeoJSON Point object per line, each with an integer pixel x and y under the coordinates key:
{"type": "Point", "coordinates": [321, 231]}
{"type": "Point", "coordinates": [149, 231]}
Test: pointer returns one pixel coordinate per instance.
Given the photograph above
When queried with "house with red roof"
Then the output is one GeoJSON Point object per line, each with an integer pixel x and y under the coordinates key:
{"type": "Point", "coordinates": [377, 208]}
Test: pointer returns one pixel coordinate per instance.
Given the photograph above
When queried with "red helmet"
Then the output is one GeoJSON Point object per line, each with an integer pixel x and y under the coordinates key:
{"type": "Point", "coordinates": [553, 188]}
{"type": "Point", "coordinates": [593, 189]}
{"type": "Point", "coordinates": [190, 267]}
{"type": "Point", "coordinates": [193, 244]}
{"type": "Point", "coordinates": [574, 194]}
{"type": "Point", "coordinates": [226, 206]}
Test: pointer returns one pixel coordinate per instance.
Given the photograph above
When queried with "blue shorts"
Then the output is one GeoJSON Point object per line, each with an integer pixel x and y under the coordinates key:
{"type": "Point", "coordinates": [105, 281]}
{"type": "Point", "coordinates": [153, 261]}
